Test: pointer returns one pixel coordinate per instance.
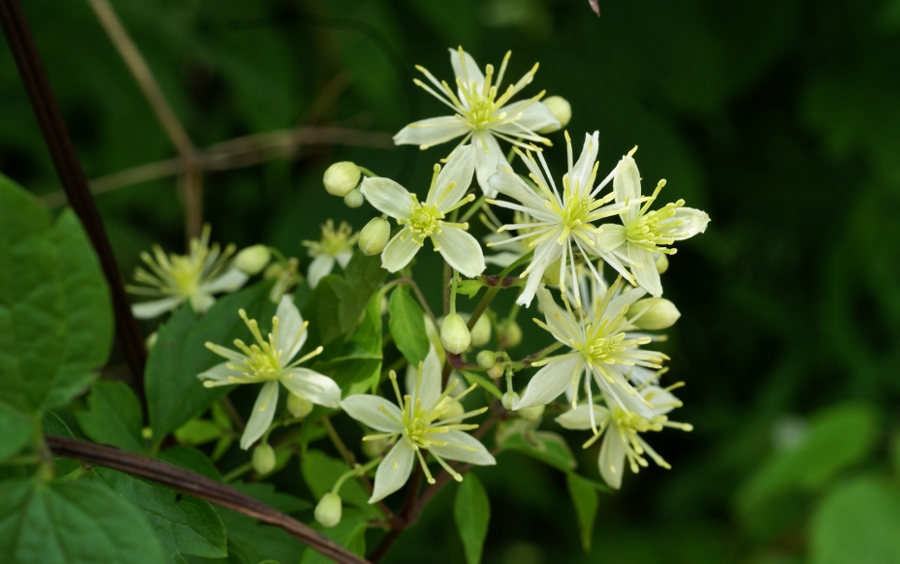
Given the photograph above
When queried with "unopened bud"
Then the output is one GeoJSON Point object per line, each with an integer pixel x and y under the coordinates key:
{"type": "Point", "coordinates": [508, 399]}
{"type": "Point", "coordinates": [660, 313]}
{"type": "Point", "coordinates": [561, 110]}
{"type": "Point", "coordinates": [328, 511]}
{"type": "Point", "coordinates": [252, 259]}
{"type": "Point", "coordinates": [374, 448]}
{"type": "Point", "coordinates": [481, 332]}
{"type": "Point", "coordinates": [298, 406]}
{"type": "Point", "coordinates": [374, 236]}
{"type": "Point", "coordinates": [662, 263]}
{"type": "Point", "coordinates": [151, 340]}
{"type": "Point", "coordinates": [274, 270]}
{"type": "Point", "coordinates": [263, 458]}
{"type": "Point", "coordinates": [531, 413]}
{"type": "Point", "coordinates": [341, 178]}
{"type": "Point", "coordinates": [455, 336]}
{"type": "Point", "coordinates": [496, 371]}
{"type": "Point", "coordinates": [354, 199]}
{"type": "Point", "coordinates": [486, 359]}
{"type": "Point", "coordinates": [513, 334]}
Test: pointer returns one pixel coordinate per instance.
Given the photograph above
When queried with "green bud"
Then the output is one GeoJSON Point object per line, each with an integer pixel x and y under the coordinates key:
{"type": "Point", "coordinates": [508, 399]}
{"type": "Point", "coordinates": [531, 413]}
{"type": "Point", "coordinates": [561, 110]}
{"type": "Point", "coordinates": [662, 263]}
{"type": "Point", "coordinates": [263, 458]}
{"type": "Point", "coordinates": [274, 270]}
{"type": "Point", "coordinates": [298, 406]}
{"type": "Point", "coordinates": [328, 511]}
{"type": "Point", "coordinates": [354, 199]}
{"type": "Point", "coordinates": [252, 259]}
{"type": "Point", "coordinates": [455, 336]}
{"type": "Point", "coordinates": [341, 178]}
{"type": "Point", "coordinates": [374, 236]}
{"type": "Point", "coordinates": [151, 340]}
{"type": "Point", "coordinates": [513, 334]}
{"type": "Point", "coordinates": [481, 332]}
{"type": "Point", "coordinates": [374, 448]}
{"type": "Point", "coordinates": [660, 313]}
{"type": "Point", "coordinates": [496, 371]}
{"type": "Point", "coordinates": [486, 359]}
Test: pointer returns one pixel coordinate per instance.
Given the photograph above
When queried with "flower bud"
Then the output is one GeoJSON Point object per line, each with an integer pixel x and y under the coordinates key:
{"type": "Point", "coordinates": [496, 371]}
{"type": "Point", "coordinates": [481, 332]}
{"type": "Point", "coordinates": [374, 448]}
{"type": "Point", "coordinates": [151, 340]}
{"type": "Point", "coordinates": [455, 336]}
{"type": "Point", "coordinates": [299, 406]}
{"type": "Point", "coordinates": [374, 236]}
{"type": "Point", "coordinates": [263, 458]}
{"type": "Point", "coordinates": [486, 359]}
{"type": "Point", "coordinates": [328, 511]}
{"type": "Point", "coordinates": [341, 178]}
{"type": "Point", "coordinates": [513, 334]}
{"type": "Point", "coordinates": [662, 263]}
{"type": "Point", "coordinates": [274, 270]}
{"type": "Point", "coordinates": [252, 259]}
{"type": "Point", "coordinates": [508, 399]}
{"type": "Point", "coordinates": [531, 413]}
{"type": "Point", "coordinates": [660, 313]}
{"type": "Point", "coordinates": [454, 409]}
{"type": "Point", "coordinates": [561, 110]}
{"type": "Point", "coordinates": [354, 199]}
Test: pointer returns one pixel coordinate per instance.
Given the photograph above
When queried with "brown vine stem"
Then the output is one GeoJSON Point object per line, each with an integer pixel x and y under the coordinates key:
{"type": "Point", "coordinates": [201, 487]}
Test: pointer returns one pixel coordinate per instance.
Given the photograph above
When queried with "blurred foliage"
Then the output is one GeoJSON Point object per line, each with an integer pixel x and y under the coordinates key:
{"type": "Point", "coordinates": [779, 119]}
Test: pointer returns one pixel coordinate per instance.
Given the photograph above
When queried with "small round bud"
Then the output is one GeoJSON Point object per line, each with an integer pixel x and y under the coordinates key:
{"type": "Point", "coordinates": [151, 340]}
{"type": "Point", "coordinates": [481, 332]}
{"type": "Point", "coordinates": [274, 270]}
{"type": "Point", "coordinates": [374, 236]}
{"type": "Point", "coordinates": [508, 399]}
{"type": "Point", "coordinates": [513, 334]}
{"type": "Point", "coordinates": [263, 458]}
{"type": "Point", "coordinates": [531, 413]}
{"type": "Point", "coordinates": [328, 511]}
{"type": "Point", "coordinates": [455, 409]}
{"type": "Point", "coordinates": [561, 110]}
{"type": "Point", "coordinates": [299, 406]}
{"type": "Point", "coordinates": [551, 275]}
{"type": "Point", "coordinates": [496, 371]}
{"type": "Point", "coordinates": [455, 336]}
{"type": "Point", "coordinates": [341, 178]}
{"type": "Point", "coordinates": [662, 263]}
{"type": "Point", "coordinates": [354, 199]}
{"type": "Point", "coordinates": [252, 259]}
{"type": "Point", "coordinates": [486, 359]}
{"type": "Point", "coordinates": [147, 433]}
{"type": "Point", "coordinates": [374, 448]}
{"type": "Point", "coordinates": [660, 313]}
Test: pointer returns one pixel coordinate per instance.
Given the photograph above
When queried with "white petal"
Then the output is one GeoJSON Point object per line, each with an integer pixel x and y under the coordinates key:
{"type": "Point", "coordinates": [466, 69]}
{"type": "Point", "coordinates": [612, 458]}
{"type": "Point", "coordinates": [290, 324]}
{"type": "Point", "coordinates": [663, 401]}
{"type": "Point", "coordinates": [507, 182]}
{"type": "Point", "coordinates": [393, 471]}
{"type": "Point", "coordinates": [220, 374]}
{"type": "Point", "coordinates": [262, 416]}
{"type": "Point", "coordinates": [693, 221]}
{"type": "Point", "coordinates": [581, 170]}
{"type": "Point", "coordinates": [487, 156]}
{"type": "Point", "coordinates": [462, 447]}
{"type": "Point", "coordinates": [560, 322]}
{"type": "Point", "coordinates": [320, 267]}
{"type": "Point", "coordinates": [374, 411]}
{"type": "Point", "coordinates": [429, 388]}
{"type": "Point", "coordinates": [343, 258]}
{"type": "Point", "coordinates": [460, 250]}
{"type": "Point", "coordinates": [535, 116]}
{"type": "Point", "coordinates": [458, 170]}
{"type": "Point", "coordinates": [622, 393]}
{"type": "Point", "coordinates": [627, 186]}
{"type": "Point", "coordinates": [229, 281]}
{"type": "Point", "coordinates": [399, 251]}
{"type": "Point", "coordinates": [317, 388]}
{"type": "Point", "coordinates": [432, 131]}
{"type": "Point", "coordinates": [644, 270]}
{"type": "Point", "coordinates": [551, 380]}
{"type": "Point", "coordinates": [387, 196]}
{"type": "Point", "coordinates": [149, 310]}
{"type": "Point", "coordinates": [580, 417]}
{"type": "Point", "coordinates": [623, 300]}
{"type": "Point", "coordinates": [544, 255]}
{"type": "Point", "coordinates": [201, 301]}
{"type": "Point", "coordinates": [639, 374]}
{"type": "Point", "coordinates": [610, 237]}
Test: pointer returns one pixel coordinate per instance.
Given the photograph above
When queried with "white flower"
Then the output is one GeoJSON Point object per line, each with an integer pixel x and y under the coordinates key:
{"type": "Point", "coordinates": [268, 361]}
{"type": "Point", "coordinates": [417, 425]}
{"type": "Point", "coordinates": [622, 428]}
{"type": "Point", "coordinates": [334, 246]}
{"type": "Point", "coordinates": [480, 114]}
{"type": "Point", "coordinates": [600, 345]}
{"type": "Point", "coordinates": [562, 225]}
{"type": "Point", "coordinates": [178, 278]}
{"type": "Point", "coordinates": [643, 235]}
{"type": "Point", "coordinates": [421, 220]}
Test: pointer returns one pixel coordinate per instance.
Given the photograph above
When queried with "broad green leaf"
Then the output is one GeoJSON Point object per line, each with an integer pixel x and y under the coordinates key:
{"type": "Point", "coordinates": [198, 432]}
{"type": "Point", "coordinates": [320, 472]}
{"type": "Point", "coordinates": [357, 366]}
{"type": "Point", "coordinates": [55, 314]}
{"type": "Point", "coordinates": [584, 497]}
{"type": "Point", "coordinates": [407, 325]}
{"type": "Point", "coordinates": [181, 523]}
{"type": "Point", "coordinates": [857, 523]}
{"type": "Point", "coordinates": [72, 523]}
{"type": "Point", "coordinates": [113, 417]}
{"type": "Point", "coordinates": [190, 458]}
{"type": "Point", "coordinates": [550, 448]}
{"type": "Point", "coordinates": [17, 430]}
{"type": "Point", "coordinates": [349, 533]}
{"type": "Point", "coordinates": [265, 492]}
{"type": "Point", "coordinates": [55, 426]}
{"type": "Point", "coordinates": [250, 541]}
{"type": "Point", "coordinates": [472, 511]}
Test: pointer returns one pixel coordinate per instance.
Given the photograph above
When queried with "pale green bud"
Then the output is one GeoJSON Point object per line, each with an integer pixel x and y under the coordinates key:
{"type": "Point", "coordinates": [328, 511]}
{"type": "Point", "coordinates": [374, 447]}
{"type": "Point", "coordinates": [531, 413]}
{"type": "Point", "coordinates": [274, 270]}
{"type": "Point", "coordinates": [481, 332]}
{"type": "Point", "coordinates": [513, 334]}
{"type": "Point", "coordinates": [486, 359]}
{"type": "Point", "coordinates": [341, 178]}
{"type": "Point", "coordinates": [252, 259]}
{"type": "Point", "coordinates": [354, 199]}
{"type": "Point", "coordinates": [298, 406]}
{"type": "Point", "coordinates": [660, 313]}
{"type": "Point", "coordinates": [662, 263]}
{"type": "Point", "coordinates": [374, 236]}
{"type": "Point", "coordinates": [263, 458]}
{"type": "Point", "coordinates": [508, 399]}
{"type": "Point", "coordinates": [561, 110]}
{"type": "Point", "coordinates": [151, 340]}
{"type": "Point", "coordinates": [455, 336]}
{"type": "Point", "coordinates": [496, 371]}
{"type": "Point", "coordinates": [455, 409]}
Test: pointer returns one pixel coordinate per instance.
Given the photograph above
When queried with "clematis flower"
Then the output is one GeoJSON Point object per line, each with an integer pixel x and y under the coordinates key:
{"type": "Point", "coordinates": [194, 277]}
{"type": "Point", "coordinates": [269, 362]}
{"type": "Point", "coordinates": [562, 225]}
{"type": "Point", "coordinates": [644, 234]}
{"type": "Point", "coordinates": [481, 114]}
{"type": "Point", "coordinates": [622, 440]}
{"type": "Point", "coordinates": [334, 246]}
{"type": "Point", "coordinates": [418, 424]}
{"type": "Point", "coordinates": [421, 220]}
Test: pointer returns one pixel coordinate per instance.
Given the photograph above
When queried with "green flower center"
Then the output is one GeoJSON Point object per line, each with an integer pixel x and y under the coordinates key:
{"type": "Point", "coordinates": [185, 273]}
{"type": "Point", "coordinates": [654, 229]}
{"type": "Point", "coordinates": [481, 112]}
{"type": "Point", "coordinates": [333, 241]}
{"type": "Point", "coordinates": [603, 349]}
{"type": "Point", "coordinates": [424, 220]}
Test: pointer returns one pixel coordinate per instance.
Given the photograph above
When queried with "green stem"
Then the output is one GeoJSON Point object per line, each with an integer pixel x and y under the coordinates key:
{"type": "Point", "coordinates": [476, 205]}
{"type": "Point", "coordinates": [356, 471]}
{"type": "Point", "coordinates": [454, 282]}
{"type": "Point", "coordinates": [237, 472]}
{"type": "Point", "coordinates": [366, 172]}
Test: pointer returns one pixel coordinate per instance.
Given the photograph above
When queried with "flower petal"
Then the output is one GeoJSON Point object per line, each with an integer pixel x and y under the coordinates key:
{"type": "Point", "coordinates": [463, 447]}
{"type": "Point", "coordinates": [229, 281]}
{"type": "Point", "coordinates": [580, 417]}
{"type": "Point", "coordinates": [627, 186]}
{"type": "Point", "coordinates": [320, 267]}
{"type": "Point", "coordinates": [429, 132]}
{"type": "Point", "coordinates": [317, 388]}
{"type": "Point", "coordinates": [610, 237]}
{"type": "Point", "coordinates": [693, 221]}
{"type": "Point", "coordinates": [387, 196]}
{"type": "Point", "coordinates": [343, 258]}
{"type": "Point", "coordinates": [374, 411]}
{"type": "Point", "coordinates": [508, 183]}
{"type": "Point", "coordinates": [561, 323]}
{"type": "Point", "coordinates": [487, 156]}
{"type": "Point", "coordinates": [465, 68]}
{"type": "Point", "coordinates": [149, 310]}
{"type": "Point", "coordinates": [544, 255]}
{"type": "Point", "coordinates": [663, 401]}
{"type": "Point", "coordinates": [535, 116]}
{"type": "Point", "coordinates": [551, 380]}
{"type": "Point", "coordinates": [429, 388]}
{"type": "Point", "coordinates": [291, 334]}
{"type": "Point", "coordinates": [644, 269]}
{"type": "Point", "coordinates": [262, 416]}
{"type": "Point", "coordinates": [612, 457]}
{"type": "Point", "coordinates": [622, 393]}
{"type": "Point", "coordinates": [393, 471]}
{"type": "Point", "coordinates": [399, 251]}
{"type": "Point", "coordinates": [460, 250]}
{"type": "Point", "coordinates": [219, 374]}
{"type": "Point", "coordinates": [458, 170]}
{"type": "Point", "coordinates": [584, 166]}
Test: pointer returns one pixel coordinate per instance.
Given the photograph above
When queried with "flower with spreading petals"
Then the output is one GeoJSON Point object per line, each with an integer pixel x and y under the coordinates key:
{"type": "Point", "coordinates": [194, 277]}
{"type": "Point", "coordinates": [482, 114]}
{"type": "Point", "coordinates": [334, 246]}
{"type": "Point", "coordinates": [644, 234]}
{"type": "Point", "coordinates": [269, 362]}
{"type": "Point", "coordinates": [418, 424]}
{"type": "Point", "coordinates": [421, 220]}
{"type": "Point", "coordinates": [622, 440]}
{"type": "Point", "coordinates": [562, 225]}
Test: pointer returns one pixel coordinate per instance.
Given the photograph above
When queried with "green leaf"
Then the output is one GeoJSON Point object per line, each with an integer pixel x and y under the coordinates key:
{"type": "Point", "coordinates": [18, 429]}
{"type": "Point", "coordinates": [470, 288]}
{"type": "Point", "coordinates": [198, 432]}
{"type": "Point", "coordinates": [472, 511]}
{"type": "Point", "coordinates": [72, 523]}
{"type": "Point", "coordinates": [265, 492]}
{"type": "Point", "coordinates": [113, 416]}
{"type": "Point", "coordinates": [182, 524]}
{"type": "Point", "coordinates": [349, 533]}
{"type": "Point", "coordinates": [320, 472]}
{"type": "Point", "coordinates": [190, 458]}
{"type": "Point", "coordinates": [407, 325]}
{"type": "Point", "coordinates": [174, 394]}
{"type": "Point", "coordinates": [857, 523]}
{"type": "Point", "coordinates": [55, 314]}
{"type": "Point", "coordinates": [550, 448]}
{"type": "Point", "coordinates": [584, 496]}
{"type": "Point", "coordinates": [55, 426]}
{"type": "Point", "coordinates": [250, 541]}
